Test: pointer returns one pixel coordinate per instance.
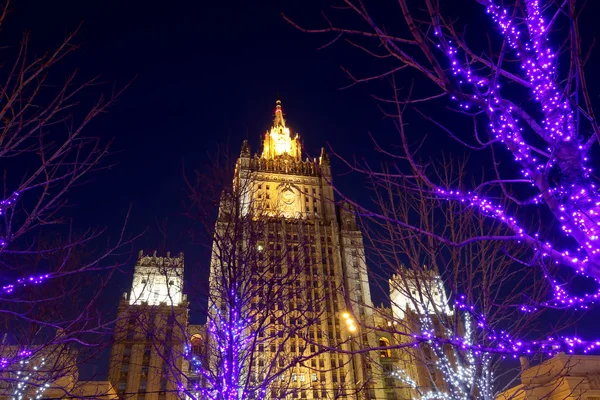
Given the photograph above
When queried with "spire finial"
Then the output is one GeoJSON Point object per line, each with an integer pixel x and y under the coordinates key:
{"type": "Point", "coordinates": [279, 121]}
{"type": "Point", "coordinates": [324, 157]}
{"type": "Point", "coordinates": [278, 140]}
{"type": "Point", "coordinates": [245, 149]}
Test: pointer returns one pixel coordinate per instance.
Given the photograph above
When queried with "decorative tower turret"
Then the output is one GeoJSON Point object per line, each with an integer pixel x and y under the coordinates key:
{"type": "Point", "coordinates": [150, 332]}
{"type": "Point", "coordinates": [279, 141]}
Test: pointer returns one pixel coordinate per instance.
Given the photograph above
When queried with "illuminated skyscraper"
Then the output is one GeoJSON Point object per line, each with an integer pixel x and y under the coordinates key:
{"type": "Point", "coordinates": [293, 201]}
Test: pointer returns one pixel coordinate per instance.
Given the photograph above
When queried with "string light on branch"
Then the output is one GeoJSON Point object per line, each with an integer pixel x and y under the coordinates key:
{"type": "Point", "coordinates": [232, 337]}
{"type": "Point", "coordinates": [28, 377]}
{"type": "Point", "coordinates": [462, 375]}
{"type": "Point", "coordinates": [8, 203]}
{"type": "Point", "coordinates": [4, 206]}
{"type": "Point", "coordinates": [22, 282]}
{"type": "Point", "coordinates": [574, 200]}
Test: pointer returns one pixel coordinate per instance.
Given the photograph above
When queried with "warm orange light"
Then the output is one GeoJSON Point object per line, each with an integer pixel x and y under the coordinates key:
{"type": "Point", "coordinates": [279, 140]}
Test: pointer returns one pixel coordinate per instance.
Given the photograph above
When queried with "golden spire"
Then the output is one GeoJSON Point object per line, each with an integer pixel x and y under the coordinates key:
{"type": "Point", "coordinates": [278, 141]}
{"type": "Point", "coordinates": [279, 122]}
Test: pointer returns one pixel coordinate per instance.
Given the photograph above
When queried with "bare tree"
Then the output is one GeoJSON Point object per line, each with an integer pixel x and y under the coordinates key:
{"type": "Point", "coordinates": [266, 299]}
{"type": "Point", "coordinates": [264, 306]}
{"type": "Point", "coordinates": [455, 311]}
{"type": "Point", "coordinates": [45, 262]}
{"type": "Point", "coordinates": [516, 100]}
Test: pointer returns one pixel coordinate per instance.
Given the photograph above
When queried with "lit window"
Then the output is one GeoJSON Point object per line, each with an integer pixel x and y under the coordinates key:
{"type": "Point", "coordinates": [384, 353]}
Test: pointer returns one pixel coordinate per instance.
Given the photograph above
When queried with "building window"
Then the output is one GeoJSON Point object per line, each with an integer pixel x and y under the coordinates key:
{"type": "Point", "coordinates": [196, 344]}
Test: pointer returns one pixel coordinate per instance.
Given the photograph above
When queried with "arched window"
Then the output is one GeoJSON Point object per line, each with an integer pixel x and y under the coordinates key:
{"type": "Point", "coordinates": [384, 353]}
{"type": "Point", "coordinates": [196, 344]}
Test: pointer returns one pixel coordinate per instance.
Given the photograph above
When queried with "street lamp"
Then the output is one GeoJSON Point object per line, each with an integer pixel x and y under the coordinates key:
{"type": "Point", "coordinates": [350, 324]}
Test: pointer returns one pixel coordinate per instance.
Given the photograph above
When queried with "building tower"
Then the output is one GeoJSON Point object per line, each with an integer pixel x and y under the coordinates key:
{"type": "Point", "coordinates": [319, 242]}
{"type": "Point", "coordinates": [147, 354]}
{"type": "Point", "coordinates": [415, 293]}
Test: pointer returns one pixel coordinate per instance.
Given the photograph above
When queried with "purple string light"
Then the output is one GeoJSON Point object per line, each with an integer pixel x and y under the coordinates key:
{"type": "Point", "coordinates": [503, 343]}
{"type": "Point", "coordinates": [5, 205]}
{"type": "Point", "coordinates": [32, 280]}
{"type": "Point", "coordinates": [577, 203]}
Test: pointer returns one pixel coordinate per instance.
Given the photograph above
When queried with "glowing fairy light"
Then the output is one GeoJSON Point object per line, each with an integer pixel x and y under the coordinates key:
{"type": "Point", "coordinates": [23, 282]}
{"type": "Point", "coordinates": [465, 364]}
{"type": "Point", "coordinates": [30, 376]}
{"type": "Point", "coordinates": [462, 375]}
{"type": "Point", "coordinates": [575, 201]}
{"type": "Point", "coordinates": [4, 206]}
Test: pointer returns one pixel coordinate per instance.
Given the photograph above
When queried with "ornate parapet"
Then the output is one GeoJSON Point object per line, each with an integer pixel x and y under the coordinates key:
{"type": "Point", "coordinates": [157, 280]}
{"type": "Point", "coordinates": [284, 164]}
{"type": "Point", "coordinates": [154, 260]}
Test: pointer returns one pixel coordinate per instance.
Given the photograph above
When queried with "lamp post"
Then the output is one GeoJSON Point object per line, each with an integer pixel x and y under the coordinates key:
{"type": "Point", "coordinates": [351, 325]}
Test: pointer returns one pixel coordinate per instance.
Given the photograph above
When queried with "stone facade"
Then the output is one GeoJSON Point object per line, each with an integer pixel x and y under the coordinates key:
{"type": "Point", "coordinates": [297, 228]}
{"type": "Point", "coordinates": [147, 355]}
{"type": "Point", "coordinates": [294, 201]}
{"type": "Point", "coordinates": [563, 377]}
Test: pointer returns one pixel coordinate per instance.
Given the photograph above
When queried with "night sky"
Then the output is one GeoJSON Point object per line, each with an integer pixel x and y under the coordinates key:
{"type": "Point", "coordinates": [201, 74]}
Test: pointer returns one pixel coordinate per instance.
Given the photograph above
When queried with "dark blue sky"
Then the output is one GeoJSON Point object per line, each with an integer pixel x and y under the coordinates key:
{"type": "Point", "coordinates": [203, 74]}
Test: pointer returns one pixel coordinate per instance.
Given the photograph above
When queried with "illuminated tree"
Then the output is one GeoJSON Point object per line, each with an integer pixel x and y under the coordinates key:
{"type": "Point", "coordinates": [517, 101]}
{"type": "Point", "coordinates": [455, 311]}
{"type": "Point", "coordinates": [45, 262]}
{"type": "Point", "coordinates": [261, 313]}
